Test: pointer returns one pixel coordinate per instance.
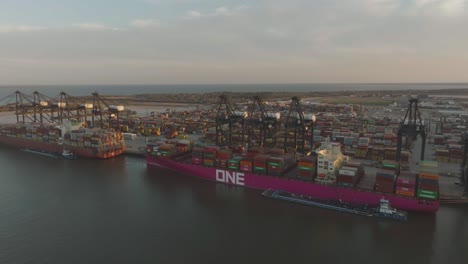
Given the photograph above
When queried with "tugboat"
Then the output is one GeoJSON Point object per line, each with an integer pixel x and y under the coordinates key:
{"type": "Point", "coordinates": [384, 209]}
{"type": "Point", "coordinates": [66, 154]}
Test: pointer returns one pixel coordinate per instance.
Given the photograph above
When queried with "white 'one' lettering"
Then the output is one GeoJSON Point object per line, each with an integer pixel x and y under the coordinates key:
{"type": "Point", "coordinates": [230, 177]}
{"type": "Point", "coordinates": [240, 179]}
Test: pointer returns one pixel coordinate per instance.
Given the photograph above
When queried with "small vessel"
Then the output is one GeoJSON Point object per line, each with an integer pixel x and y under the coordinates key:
{"type": "Point", "coordinates": [67, 154]}
{"type": "Point", "coordinates": [384, 209]}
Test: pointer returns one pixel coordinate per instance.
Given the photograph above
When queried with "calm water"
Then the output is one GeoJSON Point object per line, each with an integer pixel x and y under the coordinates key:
{"type": "Point", "coordinates": [119, 211]}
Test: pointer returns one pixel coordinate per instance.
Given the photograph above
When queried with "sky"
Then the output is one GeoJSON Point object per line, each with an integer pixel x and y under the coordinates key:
{"type": "Point", "coordinates": [53, 42]}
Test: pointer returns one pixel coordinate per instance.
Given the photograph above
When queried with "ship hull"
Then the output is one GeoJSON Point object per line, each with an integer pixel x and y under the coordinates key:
{"type": "Point", "coordinates": [57, 148]}
{"type": "Point", "coordinates": [31, 144]}
{"type": "Point", "coordinates": [264, 182]}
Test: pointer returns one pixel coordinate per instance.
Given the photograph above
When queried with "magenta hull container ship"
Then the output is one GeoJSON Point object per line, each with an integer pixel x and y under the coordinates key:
{"type": "Point", "coordinates": [292, 185]}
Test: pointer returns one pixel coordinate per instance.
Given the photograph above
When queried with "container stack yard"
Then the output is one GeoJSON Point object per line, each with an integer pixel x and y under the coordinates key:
{"type": "Point", "coordinates": [361, 153]}
{"type": "Point", "coordinates": [345, 145]}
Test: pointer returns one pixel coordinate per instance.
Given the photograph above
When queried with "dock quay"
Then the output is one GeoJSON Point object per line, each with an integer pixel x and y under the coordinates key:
{"type": "Point", "coordinates": [367, 134]}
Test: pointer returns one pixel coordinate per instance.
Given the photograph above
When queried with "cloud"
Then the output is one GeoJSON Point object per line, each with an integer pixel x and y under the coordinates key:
{"type": "Point", "coordinates": [277, 33]}
{"type": "Point", "coordinates": [221, 11]}
{"type": "Point", "coordinates": [450, 8]}
{"type": "Point", "coordinates": [145, 23]}
{"type": "Point", "coordinates": [94, 27]}
{"type": "Point", "coordinates": [382, 7]}
{"type": "Point", "coordinates": [271, 40]}
{"type": "Point", "coordinates": [20, 28]}
{"type": "Point", "coordinates": [194, 14]}
{"type": "Point", "coordinates": [453, 7]}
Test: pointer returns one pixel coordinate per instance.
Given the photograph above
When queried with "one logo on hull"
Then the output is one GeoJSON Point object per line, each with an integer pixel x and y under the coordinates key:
{"type": "Point", "coordinates": [231, 177]}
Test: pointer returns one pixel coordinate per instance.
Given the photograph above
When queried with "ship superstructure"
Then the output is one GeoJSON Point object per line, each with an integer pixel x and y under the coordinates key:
{"type": "Point", "coordinates": [330, 160]}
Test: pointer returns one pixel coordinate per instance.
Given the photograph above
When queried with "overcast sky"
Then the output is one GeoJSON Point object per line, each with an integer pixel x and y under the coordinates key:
{"type": "Point", "coordinates": [232, 41]}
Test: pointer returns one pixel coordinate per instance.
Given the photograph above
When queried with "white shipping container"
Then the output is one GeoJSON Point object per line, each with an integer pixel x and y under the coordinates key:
{"type": "Point", "coordinates": [240, 114]}
{"type": "Point", "coordinates": [349, 171]}
{"type": "Point", "coordinates": [276, 115]}
{"type": "Point", "coordinates": [184, 141]}
{"type": "Point", "coordinates": [59, 104]}
{"type": "Point", "coordinates": [87, 106]}
{"type": "Point", "coordinates": [116, 107]}
{"type": "Point", "coordinates": [309, 117]}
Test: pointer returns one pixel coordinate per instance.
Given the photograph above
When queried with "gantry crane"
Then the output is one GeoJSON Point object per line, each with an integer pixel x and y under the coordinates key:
{"type": "Point", "coordinates": [411, 126]}
{"type": "Point", "coordinates": [464, 166]}
{"type": "Point", "coordinates": [103, 113]}
{"type": "Point", "coordinates": [226, 115]}
{"type": "Point", "coordinates": [72, 108]}
{"type": "Point", "coordinates": [36, 108]}
{"type": "Point", "coordinates": [261, 125]}
{"type": "Point", "coordinates": [301, 125]}
{"type": "Point", "coordinates": [440, 126]}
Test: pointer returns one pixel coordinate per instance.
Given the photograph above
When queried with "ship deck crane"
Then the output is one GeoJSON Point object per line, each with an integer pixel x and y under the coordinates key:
{"type": "Point", "coordinates": [411, 126]}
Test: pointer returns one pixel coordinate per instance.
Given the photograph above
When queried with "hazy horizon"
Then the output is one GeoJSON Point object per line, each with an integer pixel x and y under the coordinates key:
{"type": "Point", "coordinates": [203, 42]}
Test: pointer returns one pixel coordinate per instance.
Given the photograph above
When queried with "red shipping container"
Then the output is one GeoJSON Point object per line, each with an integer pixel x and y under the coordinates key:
{"type": "Point", "coordinates": [345, 179]}
{"type": "Point", "coordinates": [211, 148]}
{"type": "Point", "coordinates": [197, 161]}
{"type": "Point", "coordinates": [406, 185]}
{"type": "Point", "coordinates": [261, 160]}
{"type": "Point", "coordinates": [405, 189]}
{"type": "Point", "coordinates": [246, 165]}
{"type": "Point", "coordinates": [305, 173]}
{"type": "Point", "coordinates": [428, 187]}
{"type": "Point", "coordinates": [411, 194]}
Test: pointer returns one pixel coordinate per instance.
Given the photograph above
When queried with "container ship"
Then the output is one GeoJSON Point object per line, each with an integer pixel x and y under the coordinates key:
{"type": "Point", "coordinates": [51, 138]}
{"type": "Point", "coordinates": [327, 174]}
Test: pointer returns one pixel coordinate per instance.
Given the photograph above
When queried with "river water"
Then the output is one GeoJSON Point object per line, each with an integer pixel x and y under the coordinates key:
{"type": "Point", "coordinates": [120, 211]}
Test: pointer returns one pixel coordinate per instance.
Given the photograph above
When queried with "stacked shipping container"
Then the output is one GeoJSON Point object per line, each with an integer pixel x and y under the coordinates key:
{"type": "Point", "coordinates": [209, 155]}
{"type": "Point", "coordinates": [347, 176]}
{"type": "Point", "coordinates": [385, 181]}
{"type": "Point", "coordinates": [197, 156]}
{"type": "Point", "coordinates": [84, 142]}
{"type": "Point", "coordinates": [306, 167]}
{"type": "Point", "coordinates": [276, 166]}
{"type": "Point", "coordinates": [222, 158]}
{"type": "Point", "coordinates": [406, 184]}
{"type": "Point", "coordinates": [350, 174]}
{"type": "Point", "coordinates": [428, 181]}
{"type": "Point", "coordinates": [260, 164]}
{"type": "Point", "coordinates": [49, 133]}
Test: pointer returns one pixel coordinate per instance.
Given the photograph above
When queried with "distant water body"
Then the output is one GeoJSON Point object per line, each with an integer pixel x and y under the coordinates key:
{"type": "Point", "coordinates": [80, 90]}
